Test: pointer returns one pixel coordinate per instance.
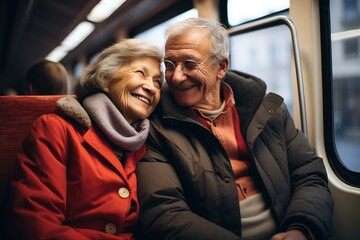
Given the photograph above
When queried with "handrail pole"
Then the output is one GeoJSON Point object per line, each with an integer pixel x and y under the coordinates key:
{"type": "Point", "coordinates": [277, 20]}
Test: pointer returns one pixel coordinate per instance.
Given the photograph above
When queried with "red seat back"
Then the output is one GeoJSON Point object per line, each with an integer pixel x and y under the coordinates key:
{"type": "Point", "coordinates": [17, 113]}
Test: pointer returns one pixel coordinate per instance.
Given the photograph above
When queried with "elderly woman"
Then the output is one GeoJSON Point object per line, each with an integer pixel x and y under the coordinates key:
{"type": "Point", "coordinates": [76, 176]}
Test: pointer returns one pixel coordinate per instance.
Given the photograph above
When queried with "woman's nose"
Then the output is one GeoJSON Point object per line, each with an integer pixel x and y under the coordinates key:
{"type": "Point", "coordinates": [150, 87]}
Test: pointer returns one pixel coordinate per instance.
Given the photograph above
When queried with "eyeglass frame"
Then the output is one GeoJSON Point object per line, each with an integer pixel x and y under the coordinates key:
{"type": "Point", "coordinates": [183, 66]}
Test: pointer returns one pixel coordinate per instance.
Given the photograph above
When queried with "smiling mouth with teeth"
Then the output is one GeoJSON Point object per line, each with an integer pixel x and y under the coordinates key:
{"type": "Point", "coordinates": [186, 87]}
{"type": "Point", "coordinates": [141, 98]}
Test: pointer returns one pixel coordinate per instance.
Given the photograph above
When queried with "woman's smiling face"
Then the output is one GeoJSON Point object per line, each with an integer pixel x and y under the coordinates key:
{"type": "Point", "coordinates": [135, 88]}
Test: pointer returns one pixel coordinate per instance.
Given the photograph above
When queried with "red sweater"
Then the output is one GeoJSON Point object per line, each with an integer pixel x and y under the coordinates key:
{"type": "Point", "coordinates": [226, 127]}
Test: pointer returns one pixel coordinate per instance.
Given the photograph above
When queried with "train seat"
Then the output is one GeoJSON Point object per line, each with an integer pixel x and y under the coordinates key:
{"type": "Point", "coordinates": [17, 115]}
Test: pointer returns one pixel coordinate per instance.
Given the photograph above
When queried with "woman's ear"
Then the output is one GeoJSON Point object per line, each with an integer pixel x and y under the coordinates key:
{"type": "Point", "coordinates": [223, 67]}
{"type": "Point", "coordinates": [106, 89]}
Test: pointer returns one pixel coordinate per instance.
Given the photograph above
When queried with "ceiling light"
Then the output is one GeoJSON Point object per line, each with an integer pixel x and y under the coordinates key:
{"type": "Point", "coordinates": [57, 54]}
{"type": "Point", "coordinates": [78, 35]}
{"type": "Point", "coordinates": [104, 9]}
{"type": "Point", "coordinates": [100, 12]}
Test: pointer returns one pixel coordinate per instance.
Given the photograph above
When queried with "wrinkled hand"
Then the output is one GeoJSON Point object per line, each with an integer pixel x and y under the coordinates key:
{"type": "Point", "coordinates": [290, 235]}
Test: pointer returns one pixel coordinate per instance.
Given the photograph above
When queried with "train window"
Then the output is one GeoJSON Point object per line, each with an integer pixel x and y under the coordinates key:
{"type": "Point", "coordinates": [342, 86]}
{"type": "Point", "coordinates": [155, 35]}
{"type": "Point", "coordinates": [243, 11]}
{"type": "Point", "coordinates": [345, 43]}
{"type": "Point", "coordinates": [266, 54]}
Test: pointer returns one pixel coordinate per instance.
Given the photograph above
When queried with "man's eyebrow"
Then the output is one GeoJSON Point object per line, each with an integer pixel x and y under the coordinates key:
{"type": "Point", "coordinates": [183, 57]}
{"type": "Point", "coordinates": [167, 56]}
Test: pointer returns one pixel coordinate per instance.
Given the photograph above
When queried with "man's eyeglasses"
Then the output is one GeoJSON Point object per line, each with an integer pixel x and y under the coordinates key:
{"type": "Point", "coordinates": [188, 67]}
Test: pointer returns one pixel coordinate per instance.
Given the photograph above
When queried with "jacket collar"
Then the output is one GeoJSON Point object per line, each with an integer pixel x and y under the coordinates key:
{"type": "Point", "coordinates": [270, 104]}
{"type": "Point", "coordinates": [96, 141]}
{"type": "Point", "coordinates": [71, 107]}
{"type": "Point", "coordinates": [249, 92]}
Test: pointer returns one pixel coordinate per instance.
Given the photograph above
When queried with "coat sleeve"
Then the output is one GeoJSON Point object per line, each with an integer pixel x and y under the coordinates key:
{"type": "Point", "coordinates": [164, 212]}
{"type": "Point", "coordinates": [38, 190]}
{"type": "Point", "coordinates": [311, 203]}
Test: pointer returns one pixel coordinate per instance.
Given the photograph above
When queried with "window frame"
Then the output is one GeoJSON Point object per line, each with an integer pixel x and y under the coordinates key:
{"type": "Point", "coordinates": [346, 175]}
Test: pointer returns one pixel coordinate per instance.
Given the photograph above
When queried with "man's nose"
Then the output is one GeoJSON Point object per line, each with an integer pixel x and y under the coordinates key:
{"type": "Point", "coordinates": [179, 74]}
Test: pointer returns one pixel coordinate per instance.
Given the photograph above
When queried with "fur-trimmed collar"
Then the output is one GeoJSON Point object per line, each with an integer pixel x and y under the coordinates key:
{"type": "Point", "coordinates": [108, 119]}
{"type": "Point", "coordinates": [73, 109]}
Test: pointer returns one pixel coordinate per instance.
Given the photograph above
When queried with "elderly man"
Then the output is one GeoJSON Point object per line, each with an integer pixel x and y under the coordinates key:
{"type": "Point", "coordinates": [224, 159]}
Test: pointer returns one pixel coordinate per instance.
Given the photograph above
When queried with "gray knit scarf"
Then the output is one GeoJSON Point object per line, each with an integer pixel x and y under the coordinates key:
{"type": "Point", "coordinates": [113, 124]}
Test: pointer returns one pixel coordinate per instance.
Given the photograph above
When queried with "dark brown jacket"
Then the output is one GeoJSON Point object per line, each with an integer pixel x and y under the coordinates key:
{"type": "Point", "coordinates": [186, 184]}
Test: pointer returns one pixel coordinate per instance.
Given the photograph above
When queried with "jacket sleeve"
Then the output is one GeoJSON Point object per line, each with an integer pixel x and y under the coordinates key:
{"type": "Point", "coordinates": [38, 193]}
{"type": "Point", "coordinates": [311, 205]}
{"type": "Point", "coordinates": [164, 212]}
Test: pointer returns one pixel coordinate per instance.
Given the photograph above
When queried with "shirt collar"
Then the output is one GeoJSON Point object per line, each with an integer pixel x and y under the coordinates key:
{"type": "Point", "coordinates": [228, 102]}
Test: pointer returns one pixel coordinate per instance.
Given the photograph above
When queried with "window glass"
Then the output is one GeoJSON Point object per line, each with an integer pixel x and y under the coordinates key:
{"type": "Point", "coordinates": [350, 8]}
{"type": "Point", "coordinates": [155, 35]}
{"type": "Point", "coordinates": [266, 54]}
{"type": "Point", "coordinates": [345, 46]}
{"type": "Point", "coordinates": [240, 11]}
{"type": "Point", "coordinates": [77, 70]}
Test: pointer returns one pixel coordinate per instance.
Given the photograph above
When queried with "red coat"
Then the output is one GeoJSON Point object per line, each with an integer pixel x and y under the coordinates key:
{"type": "Point", "coordinates": [71, 185]}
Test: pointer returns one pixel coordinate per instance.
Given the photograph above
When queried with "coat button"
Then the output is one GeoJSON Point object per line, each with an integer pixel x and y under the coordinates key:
{"type": "Point", "coordinates": [110, 228]}
{"type": "Point", "coordinates": [259, 126]}
{"type": "Point", "coordinates": [123, 192]}
{"type": "Point", "coordinates": [227, 180]}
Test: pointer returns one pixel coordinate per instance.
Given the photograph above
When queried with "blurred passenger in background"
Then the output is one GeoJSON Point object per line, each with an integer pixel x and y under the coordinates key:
{"type": "Point", "coordinates": [47, 78]}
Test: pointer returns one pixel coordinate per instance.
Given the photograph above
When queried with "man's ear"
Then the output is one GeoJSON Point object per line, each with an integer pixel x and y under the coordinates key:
{"type": "Point", "coordinates": [224, 65]}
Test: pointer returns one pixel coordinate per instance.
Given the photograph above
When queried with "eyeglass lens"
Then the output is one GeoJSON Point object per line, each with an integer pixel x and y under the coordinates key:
{"type": "Point", "coordinates": [187, 66]}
